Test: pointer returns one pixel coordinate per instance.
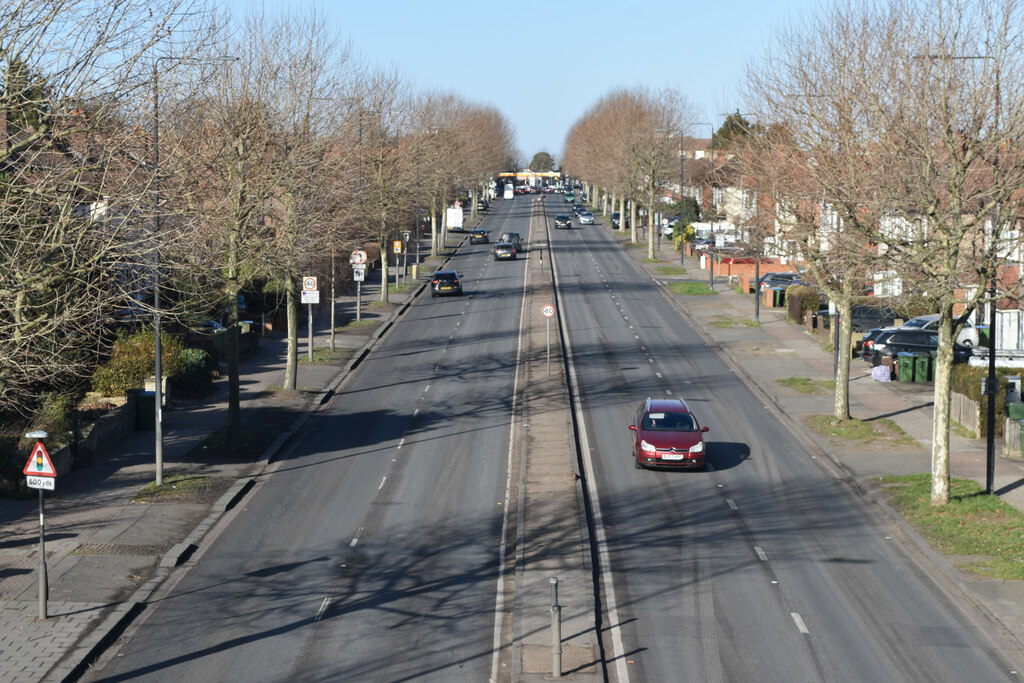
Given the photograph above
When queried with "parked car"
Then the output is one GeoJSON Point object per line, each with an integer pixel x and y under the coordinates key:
{"type": "Point", "coordinates": [867, 342]}
{"type": "Point", "coordinates": [513, 239]}
{"type": "Point", "coordinates": [586, 218]}
{"type": "Point", "coordinates": [446, 282]}
{"type": "Point", "coordinates": [968, 335]}
{"type": "Point", "coordinates": [483, 205]}
{"type": "Point", "coordinates": [503, 251]}
{"type": "Point", "coordinates": [669, 229]}
{"type": "Point", "coordinates": [665, 432]}
{"type": "Point", "coordinates": [563, 221]}
{"type": "Point", "coordinates": [770, 280]}
{"type": "Point", "coordinates": [864, 317]}
{"type": "Point", "coordinates": [478, 236]}
{"type": "Point", "coordinates": [903, 340]}
{"type": "Point", "coordinates": [615, 220]}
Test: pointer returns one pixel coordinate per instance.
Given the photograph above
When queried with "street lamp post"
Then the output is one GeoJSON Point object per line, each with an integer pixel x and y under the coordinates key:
{"type": "Point", "coordinates": [158, 394]}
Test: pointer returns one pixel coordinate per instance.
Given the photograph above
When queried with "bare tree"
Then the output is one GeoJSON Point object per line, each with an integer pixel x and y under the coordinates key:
{"type": "Point", "coordinates": [74, 207]}
{"type": "Point", "coordinates": [911, 134]}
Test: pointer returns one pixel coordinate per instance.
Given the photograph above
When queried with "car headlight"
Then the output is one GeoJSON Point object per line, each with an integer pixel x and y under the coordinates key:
{"type": "Point", "coordinates": [646, 447]}
{"type": "Point", "coordinates": [698, 448]}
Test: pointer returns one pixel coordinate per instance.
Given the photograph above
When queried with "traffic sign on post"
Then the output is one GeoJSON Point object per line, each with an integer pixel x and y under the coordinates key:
{"type": "Point", "coordinates": [358, 256]}
{"type": "Point", "coordinates": [308, 283]}
{"type": "Point", "coordinates": [548, 310]}
{"type": "Point", "coordinates": [39, 463]}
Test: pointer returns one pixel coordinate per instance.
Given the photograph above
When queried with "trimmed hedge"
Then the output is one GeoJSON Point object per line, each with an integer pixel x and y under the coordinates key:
{"type": "Point", "coordinates": [196, 377]}
{"type": "Point", "coordinates": [799, 300]}
{"type": "Point", "coordinates": [966, 380]}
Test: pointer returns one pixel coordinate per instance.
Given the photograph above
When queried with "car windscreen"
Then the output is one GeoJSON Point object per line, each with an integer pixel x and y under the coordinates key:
{"type": "Point", "coordinates": [669, 422]}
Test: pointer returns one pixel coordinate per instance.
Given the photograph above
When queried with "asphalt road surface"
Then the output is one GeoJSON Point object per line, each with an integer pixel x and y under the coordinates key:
{"type": "Point", "coordinates": [764, 567]}
{"type": "Point", "coordinates": [371, 551]}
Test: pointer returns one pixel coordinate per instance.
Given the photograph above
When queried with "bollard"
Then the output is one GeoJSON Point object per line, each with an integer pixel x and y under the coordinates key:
{"type": "Point", "coordinates": [554, 590]}
{"type": "Point", "coordinates": [556, 641]}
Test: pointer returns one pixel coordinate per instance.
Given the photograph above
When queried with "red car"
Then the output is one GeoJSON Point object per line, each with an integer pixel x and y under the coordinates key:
{"type": "Point", "coordinates": [667, 434]}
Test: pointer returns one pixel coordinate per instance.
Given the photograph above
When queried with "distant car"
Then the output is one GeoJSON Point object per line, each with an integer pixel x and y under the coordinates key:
{"type": "Point", "coordinates": [478, 236]}
{"type": "Point", "coordinates": [586, 218]}
{"type": "Point", "coordinates": [968, 335]}
{"type": "Point", "coordinates": [770, 280]}
{"type": "Point", "coordinates": [446, 282]}
{"type": "Point", "coordinates": [513, 239]}
{"type": "Point", "coordinates": [666, 433]}
{"type": "Point", "coordinates": [563, 221]}
{"type": "Point", "coordinates": [570, 197]}
{"type": "Point", "coordinates": [578, 208]}
{"type": "Point", "coordinates": [616, 221]}
{"type": "Point", "coordinates": [503, 251]}
{"type": "Point", "coordinates": [483, 205]}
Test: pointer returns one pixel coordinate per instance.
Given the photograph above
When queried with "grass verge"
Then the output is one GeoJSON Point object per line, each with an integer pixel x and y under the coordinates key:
{"type": "Point", "coordinates": [181, 488]}
{"type": "Point", "coordinates": [880, 430]}
{"type": "Point", "coordinates": [806, 385]}
{"type": "Point", "coordinates": [324, 356]}
{"type": "Point", "coordinates": [357, 325]}
{"type": "Point", "coordinates": [251, 444]}
{"type": "Point", "coordinates": [690, 288]}
{"type": "Point", "coordinates": [733, 322]}
{"type": "Point", "coordinates": [670, 270]}
{"type": "Point", "coordinates": [984, 535]}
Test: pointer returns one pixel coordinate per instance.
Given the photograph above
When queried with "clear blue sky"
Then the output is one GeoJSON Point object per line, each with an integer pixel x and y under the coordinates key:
{"type": "Point", "coordinates": [543, 64]}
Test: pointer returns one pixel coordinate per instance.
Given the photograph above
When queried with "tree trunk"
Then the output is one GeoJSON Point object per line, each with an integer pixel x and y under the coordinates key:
{"type": "Point", "coordinates": [330, 299]}
{"type": "Point", "coordinates": [632, 222]}
{"type": "Point", "coordinates": [650, 224]}
{"type": "Point", "coordinates": [435, 243]}
{"type": "Point", "coordinates": [940, 420]}
{"type": "Point", "coordinates": [841, 409]}
{"type": "Point", "coordinates": [291, 365]}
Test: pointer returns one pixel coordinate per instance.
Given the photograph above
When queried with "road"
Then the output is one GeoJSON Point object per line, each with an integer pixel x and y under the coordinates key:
{"type": "Point", "coordinates": [371, 551]}
{"type": "Point", "coordinates": [766, 566]}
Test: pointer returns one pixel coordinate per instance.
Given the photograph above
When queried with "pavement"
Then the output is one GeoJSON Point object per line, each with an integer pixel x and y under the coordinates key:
{"type": "Point", "coordinates": [106, 554]}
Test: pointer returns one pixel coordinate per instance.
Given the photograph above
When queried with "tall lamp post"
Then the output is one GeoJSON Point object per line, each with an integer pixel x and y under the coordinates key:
{"type": "Point", "coordinates": [158, 394]}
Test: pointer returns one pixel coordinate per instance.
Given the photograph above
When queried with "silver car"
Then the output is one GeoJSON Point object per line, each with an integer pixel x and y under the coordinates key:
{"type": "Point", "coordinates": [586, 218]}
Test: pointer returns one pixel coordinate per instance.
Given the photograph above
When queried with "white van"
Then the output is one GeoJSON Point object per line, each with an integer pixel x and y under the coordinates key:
{"type": "Point", "coordinates": [509, 191]}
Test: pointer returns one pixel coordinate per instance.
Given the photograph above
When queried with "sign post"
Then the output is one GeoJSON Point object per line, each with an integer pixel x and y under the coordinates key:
{"type": "Point", "coordinates": [358, 263]}
{"type": "Point", "coordinates": [310, 296]}
{"type": "Point", "coordinates": [548, 312]}
{"type": "Point", "coordinates": [41, 474]}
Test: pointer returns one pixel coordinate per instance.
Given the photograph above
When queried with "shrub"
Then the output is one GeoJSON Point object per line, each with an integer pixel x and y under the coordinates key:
{"type": "Point", "coordinates": [196, 376]}
{"type": "Point", "coordinates": [131, 362]}
{"type": "Point", "coordinates": [799, 300]}
{"type": "Point", "coordinates": [58, 418]}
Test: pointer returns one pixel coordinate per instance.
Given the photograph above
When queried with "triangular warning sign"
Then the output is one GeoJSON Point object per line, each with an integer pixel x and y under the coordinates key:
{"type": "Point", "coordinates": [39, 463]}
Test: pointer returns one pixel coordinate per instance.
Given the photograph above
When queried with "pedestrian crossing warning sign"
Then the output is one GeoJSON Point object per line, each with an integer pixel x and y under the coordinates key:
{"type": "Point", "coordinates": [39, 463]}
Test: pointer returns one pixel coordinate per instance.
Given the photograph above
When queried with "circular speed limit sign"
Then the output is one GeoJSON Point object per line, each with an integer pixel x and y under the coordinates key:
{"type": "Point", "coordinates": [548, 310]}
{"type": "Point", "coordinates": [309, 283]}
